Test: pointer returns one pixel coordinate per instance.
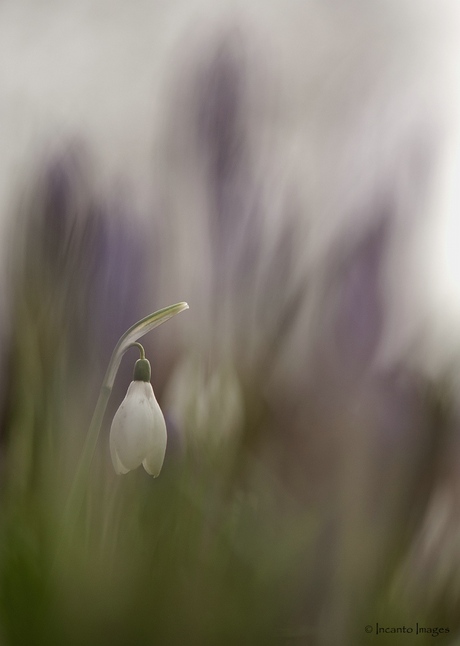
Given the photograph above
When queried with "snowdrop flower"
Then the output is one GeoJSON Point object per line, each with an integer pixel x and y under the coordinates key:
{"type": "Point", "coordinates": [138, 431]}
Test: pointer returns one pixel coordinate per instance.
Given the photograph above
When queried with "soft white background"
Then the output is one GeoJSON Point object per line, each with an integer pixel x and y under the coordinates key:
{"type": "Point", "coordinates": [349, 91]}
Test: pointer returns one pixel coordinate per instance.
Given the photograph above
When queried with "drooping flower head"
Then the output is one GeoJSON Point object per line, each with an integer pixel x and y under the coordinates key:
{"type": "Point", "coordinates": [138, 431]}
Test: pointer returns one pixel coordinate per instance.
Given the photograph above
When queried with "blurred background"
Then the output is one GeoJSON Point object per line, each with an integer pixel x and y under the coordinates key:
{"type": "Point", "coordinates": [291, 171]}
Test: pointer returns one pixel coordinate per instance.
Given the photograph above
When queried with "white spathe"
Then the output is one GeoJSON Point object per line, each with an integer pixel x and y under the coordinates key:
{"type": "Point", "coordinates": [138, 431]}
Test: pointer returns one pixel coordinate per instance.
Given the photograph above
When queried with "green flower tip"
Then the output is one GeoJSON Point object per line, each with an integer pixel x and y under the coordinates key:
{"type": "Point", "coordinates": [142, 370]}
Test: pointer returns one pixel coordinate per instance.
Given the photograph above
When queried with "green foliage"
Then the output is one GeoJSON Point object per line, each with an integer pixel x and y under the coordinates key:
{"type": "Point", "coordinates": [185, 558]}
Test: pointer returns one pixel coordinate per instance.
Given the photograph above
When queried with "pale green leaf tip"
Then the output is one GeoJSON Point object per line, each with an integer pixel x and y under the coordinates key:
{"type": "Point", "coordinates": [178, 307]}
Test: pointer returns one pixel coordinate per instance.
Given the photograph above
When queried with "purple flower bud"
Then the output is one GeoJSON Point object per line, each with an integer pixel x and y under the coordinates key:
{"type": "Point", "coordinates": [220, 120]}
{"type": "Point", "coordinates": [358, 317]}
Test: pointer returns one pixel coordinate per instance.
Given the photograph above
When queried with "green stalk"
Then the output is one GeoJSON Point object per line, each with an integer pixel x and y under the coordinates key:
{"type": "Point", "coordinates": [128, 339]}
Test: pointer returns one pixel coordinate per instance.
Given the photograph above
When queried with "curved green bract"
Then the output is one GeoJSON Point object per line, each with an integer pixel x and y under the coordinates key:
{"type": "Point", "coordinates": [137, 331]}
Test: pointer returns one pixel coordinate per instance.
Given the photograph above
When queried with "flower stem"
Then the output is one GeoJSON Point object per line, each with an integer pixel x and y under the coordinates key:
{"type": "Point", "coordinates": [140, 347]}
{"type": "Point", "coordinates": [127, 340]}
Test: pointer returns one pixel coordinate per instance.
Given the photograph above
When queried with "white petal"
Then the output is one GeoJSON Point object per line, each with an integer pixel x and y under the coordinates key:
{"type": "Point", "coordinates": [131, 434]}
{"type": "Point", "coordinates": [117, 465]}
{"type": "Point", "coordinates": [155, 457]}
